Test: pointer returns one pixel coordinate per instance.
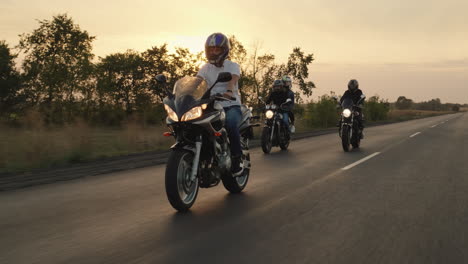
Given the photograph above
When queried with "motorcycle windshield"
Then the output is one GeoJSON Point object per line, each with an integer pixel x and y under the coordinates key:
{"type": "Point", "coordinates": [192, 86]}
{"type": "Point", "coordinates": [188, 91]}
{"type": "Point", "coordinates": [347, 103]}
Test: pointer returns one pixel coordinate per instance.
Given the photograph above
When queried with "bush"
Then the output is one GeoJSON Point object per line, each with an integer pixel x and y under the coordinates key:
{"type": "Point", "coordinates": [376, 109]}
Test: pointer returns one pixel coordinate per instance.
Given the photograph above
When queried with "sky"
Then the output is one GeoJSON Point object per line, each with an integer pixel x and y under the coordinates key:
{"type": "Point", "coordinates": [416, 48]}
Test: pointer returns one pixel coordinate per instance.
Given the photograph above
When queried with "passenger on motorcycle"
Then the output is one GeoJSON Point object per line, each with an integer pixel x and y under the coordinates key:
{"type": "Point", "coordinates": [217, 48]}
{"type": "Point", "coordinates": [279, 96]}
{"type": "Point", "coordinates": [288, 84]}
{"type": "Point", "coordinates": [355, 93]}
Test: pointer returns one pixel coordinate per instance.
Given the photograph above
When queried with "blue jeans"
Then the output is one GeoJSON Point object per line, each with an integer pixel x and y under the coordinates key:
{"type": "Point", "coordinates": [233, 118]}
{"type": "Point", "coordinates": [286, 119]}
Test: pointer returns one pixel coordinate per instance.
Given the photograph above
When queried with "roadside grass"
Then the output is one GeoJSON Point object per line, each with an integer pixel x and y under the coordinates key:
{"type": "Point", "coordinates": [38, 147]}
{"type": "Point", "coordinates": [404, 115]}
{"type": "Point", "coordinates": [24, 149]}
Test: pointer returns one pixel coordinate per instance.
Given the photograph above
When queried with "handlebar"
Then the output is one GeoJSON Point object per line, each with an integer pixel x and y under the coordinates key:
{"type": "Point", "coordinates": [221, 97]}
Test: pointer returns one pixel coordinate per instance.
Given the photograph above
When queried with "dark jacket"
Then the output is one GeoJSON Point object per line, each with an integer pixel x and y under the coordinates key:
{"type": "Point", "coordinates": [280, 97]}
{"type": "Point", "coordinates": [355, 96]}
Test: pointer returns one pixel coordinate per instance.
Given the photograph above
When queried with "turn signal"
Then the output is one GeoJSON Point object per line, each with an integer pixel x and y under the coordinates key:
{"type": "Point", "coordinates": [167, 134]}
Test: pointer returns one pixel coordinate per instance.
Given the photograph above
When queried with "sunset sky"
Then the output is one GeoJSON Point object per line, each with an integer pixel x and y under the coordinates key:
{"type": "Point", "coordinates": [414, 48]}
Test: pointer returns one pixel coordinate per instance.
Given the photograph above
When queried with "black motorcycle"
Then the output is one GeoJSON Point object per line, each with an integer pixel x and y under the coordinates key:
{"type": "Point", "coordinates": [275, 133]}
{"type": "Point", "coordinates": [201, 155]}
{"type": "Point", "coordinates": [349, 129]}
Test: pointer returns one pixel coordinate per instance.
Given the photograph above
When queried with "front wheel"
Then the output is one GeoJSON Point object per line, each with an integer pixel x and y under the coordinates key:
{"type": "Point", "coordinates": [345, 138]}
{"type": "Point", "coordinates": [266, 141]}
{"type": "Point", "coordinates": [181, 191]}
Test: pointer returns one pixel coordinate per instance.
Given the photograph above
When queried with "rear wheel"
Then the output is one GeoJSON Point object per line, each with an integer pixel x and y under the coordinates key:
{"type": "Point", "coordinates": [181, 191]}
{"type": "Point", "coordinates": [356, 139]}
{"type": "Point", "coordinates": [284, 141]}
{"type": "Point", "coordinates": [345, 138]}
{"type": "Point", "coordinates": [266, 142]}
{"type": "Point", "coordinates": [237, 184]}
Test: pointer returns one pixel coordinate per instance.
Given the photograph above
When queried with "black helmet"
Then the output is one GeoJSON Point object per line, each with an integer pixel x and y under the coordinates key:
{"type": "Point", "coordinates": [278, 85]}
{"type": "Point", "coordinates": [217, 40]}
{"type": "Point", "coordinates": [353, 85]}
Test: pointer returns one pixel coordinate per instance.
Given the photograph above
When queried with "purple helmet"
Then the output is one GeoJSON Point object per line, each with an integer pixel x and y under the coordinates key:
{"type": "Point", "coordinates": [217, 40]}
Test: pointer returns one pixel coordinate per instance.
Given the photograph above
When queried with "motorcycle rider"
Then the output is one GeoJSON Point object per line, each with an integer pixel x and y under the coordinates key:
{"type": "Point", "coordinates": [288, 84]}
{"type": "Point", "coordinates": [279, 94]}
{"type": "Point", "coordinates": [355, 93]}
{"type": "Point", "coordinates": [217, 47]}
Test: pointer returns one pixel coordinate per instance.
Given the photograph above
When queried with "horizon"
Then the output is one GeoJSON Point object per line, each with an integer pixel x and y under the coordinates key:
{"type": "Point", "coordinates": [398, 48]}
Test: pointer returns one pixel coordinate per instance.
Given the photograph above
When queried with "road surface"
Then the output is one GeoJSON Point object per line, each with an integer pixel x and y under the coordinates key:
{"type": "Point", "coordinates": [401, 198]}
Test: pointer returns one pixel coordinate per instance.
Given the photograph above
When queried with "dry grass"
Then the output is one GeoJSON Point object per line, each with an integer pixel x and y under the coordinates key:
{"type": "Point", "coordinates": [35, 146]}
{"type": "Point", "coordinates": [402, 115]}
{"type": "Point", "coordinates": [40, 147]}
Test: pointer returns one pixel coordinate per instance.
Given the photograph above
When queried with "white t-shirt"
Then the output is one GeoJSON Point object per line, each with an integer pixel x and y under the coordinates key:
{"type": "Point", "coordinates": [210, 72]}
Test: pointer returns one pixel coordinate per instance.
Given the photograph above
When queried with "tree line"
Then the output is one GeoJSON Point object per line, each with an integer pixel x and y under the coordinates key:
{"type": "Point", "coordinates": [404, 103]}
{"type": "Point", "coordinates": [61, 79]}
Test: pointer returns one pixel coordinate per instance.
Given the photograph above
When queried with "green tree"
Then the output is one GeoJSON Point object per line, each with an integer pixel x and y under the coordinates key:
{"type": "Point", "coordinates": [57, 66]}
{"type": "Point", "coordinates": [403, 103]}
{"type": "Point", "coordinates": [121, 81]}
{"type": "Point", "coordinates": [183, 63]}
{"type": "Point", "coordinates": [298, 67]}
{"type": "Point", "coordinates": [157, 60]}
{"type": "Point", "coordinates": [9, 80]}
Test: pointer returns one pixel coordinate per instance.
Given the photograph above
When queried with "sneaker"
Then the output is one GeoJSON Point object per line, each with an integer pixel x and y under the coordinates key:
{"type": "Point", "coordinates": [292, 128]}
{"type": "Point", "coordinates": [237, 167]}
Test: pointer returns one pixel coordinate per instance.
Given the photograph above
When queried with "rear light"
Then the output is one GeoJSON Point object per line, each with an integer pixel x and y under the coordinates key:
{"type": "Point", "coordinates": [218, 134]}
{"type": "Point", "coordinates": [167, 134]}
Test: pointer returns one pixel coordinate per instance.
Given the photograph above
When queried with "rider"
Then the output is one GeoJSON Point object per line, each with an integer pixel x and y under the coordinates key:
{"type": "Point", "coordinates": [217, 48]}
{"type": "Point", "coordinates": [355, 93]}
{"type": "Point", "coordinates": [279, 94]}
{"type": "Point", "coordinates": [288, 84]}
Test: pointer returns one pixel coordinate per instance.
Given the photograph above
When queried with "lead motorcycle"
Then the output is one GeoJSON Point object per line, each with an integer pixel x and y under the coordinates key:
{"type": "Point", "coordinates": [349, 130]}
{"type": "Point", "coordinates": [275, 132]}
{"type": "Point", "coordinates": [201, 155]}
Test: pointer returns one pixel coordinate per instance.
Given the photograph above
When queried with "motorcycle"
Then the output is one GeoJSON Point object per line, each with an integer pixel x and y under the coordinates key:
{"type": "Point", "coordinates": [275, 133]}
{"type": "Point", "coordinates": [349, 130]}
{"type": "Point", "coordinates": [200, 157]}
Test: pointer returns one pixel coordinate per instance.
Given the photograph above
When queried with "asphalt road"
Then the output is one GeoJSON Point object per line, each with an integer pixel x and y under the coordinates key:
{"type": "Point", "coordinates": [401, 198]}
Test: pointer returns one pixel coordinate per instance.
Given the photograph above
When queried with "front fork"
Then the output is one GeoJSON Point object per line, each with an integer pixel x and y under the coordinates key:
{"type": "Point", "coordinates": [273, 128]}
{"type": "Point", "coordinates": [349, 124]}
{"type": "Point", "coordinates": [196, 159]}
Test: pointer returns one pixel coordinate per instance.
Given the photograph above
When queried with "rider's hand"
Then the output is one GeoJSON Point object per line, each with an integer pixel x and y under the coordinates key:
{"type": "Point", "coordinates": [228, 95]}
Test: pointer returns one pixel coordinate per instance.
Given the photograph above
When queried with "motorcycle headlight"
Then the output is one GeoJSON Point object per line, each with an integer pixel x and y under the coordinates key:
{"type": "Point", "coordinates": [269, 114]}
{"type": "Point", "coordinates": [193, 113]}
{"type": "Point", "coordinates": [172, 115]}
{"type": "Point", "coordinates": [346, 113]}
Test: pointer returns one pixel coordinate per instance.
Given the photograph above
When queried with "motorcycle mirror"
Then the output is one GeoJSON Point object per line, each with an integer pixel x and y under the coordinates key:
{"type": "Point", "coordinates": [335, 97]}
{"type": "Point", "coordinates": [224, 77]}
{"type": "Point", "coordinates": [260, 98]}
{"type": "Point", "coordinates": [161, 79]}
{"type": "Point", "coordinates": [363, 96]}
{"type": "Point", "coordinates": [288, 100]}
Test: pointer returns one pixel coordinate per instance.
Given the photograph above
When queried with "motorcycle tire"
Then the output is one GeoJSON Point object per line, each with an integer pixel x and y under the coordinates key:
{"type": "Point", "coordinates": [180, 190]}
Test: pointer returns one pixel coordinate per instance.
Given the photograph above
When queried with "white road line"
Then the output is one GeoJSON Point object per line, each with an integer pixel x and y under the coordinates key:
{"type": "Point", "coordinates": [415, 134]}
{"type": "Point", "coordinates": [434, 125]}
{"type": "Point", "coordinates": [360, 161]}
